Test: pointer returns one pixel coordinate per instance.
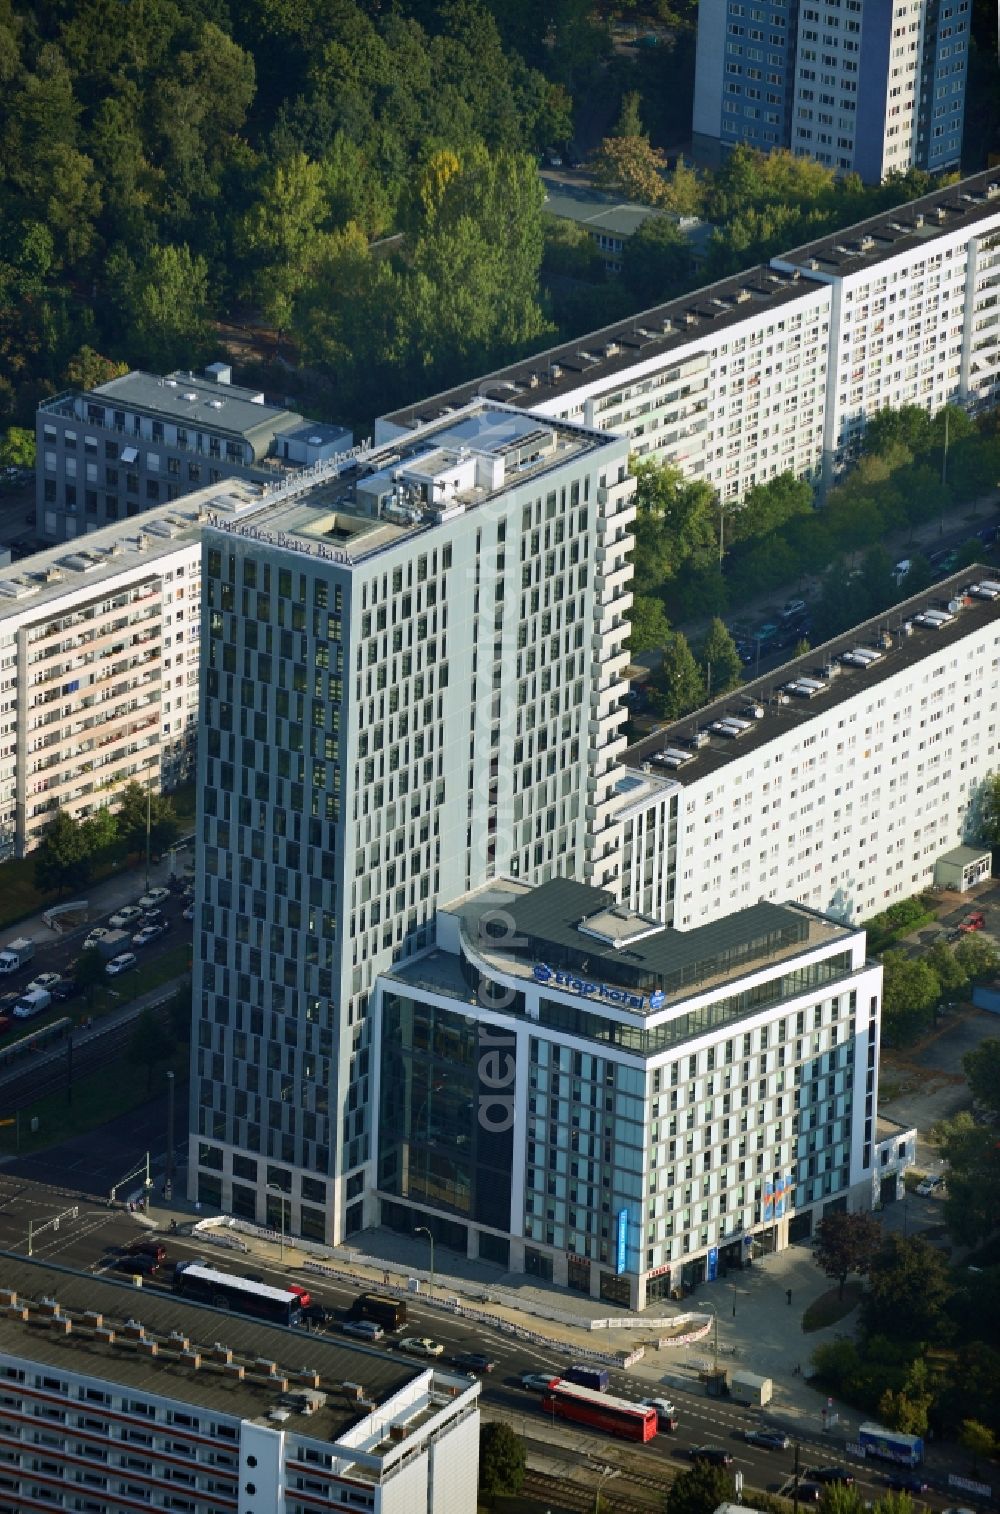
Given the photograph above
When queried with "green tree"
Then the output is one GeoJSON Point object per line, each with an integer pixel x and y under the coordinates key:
{"type": "Point", "coordinates": [164, 305]}
{"type": "Point", "coordinates": [148, 1044]}
{"type": "Point", "coordinates": [17, 450]}
{"type": "Point", "coordinates": [972, 1154]}
{"type": "Point", "coordinates": [910, 990]}
{"type": "Point", "coordinates": [629, 123]}
{"type": "Point", "coordinates": [656, 261]}
{"type": "Point", "coordinates": [909, 1288]}
{"type": "Point", "coordinates": [949, 972]}
{"type": "Point", "coordinates": [982, 1073]}
{"type": "Point", "coordinates": [134, 804]}
{"type": "Point", "coordinates": [847, 1243]}
{"type": "Point", "coordinates": [801, 647]}
{"type": "Point", "coordinates": [87, 368]}
{"type": "Point", "coordinates": [909, 426]}
{"type": "Point", "coordinates": [677, 685]}
{"type": "Point", "coordinates": [280, 236]}
{"type": "Point", "coordinates": [720, 661]}
{"type": "Point", "coordinates": [838, 1499]}
{"type": "Point", "coordinates": [907, 1409]}
{"type": "Point", "coordinates": [769, 506]}
{"type": "Point", "coordinates": [977, 957]}
{"type": "Point", "coordinates": [100, 831]}
{"type": "Point", "coordinates": [89, 972]}
{"type": "Point", "coordinates": [987, 810]}
{"type": "Point", "coordinates": [978, 1439]}
{"type": "Point", "coordinates": [501, 1460]}
{"type": "Point", "coordinates": [62, 861]}
{"type": "Point", "coordinates": [676, 526]}
{"type": "Point", "coordinates": [650, 626]}
{"type": "Point", "coordinates": [699, 1490]}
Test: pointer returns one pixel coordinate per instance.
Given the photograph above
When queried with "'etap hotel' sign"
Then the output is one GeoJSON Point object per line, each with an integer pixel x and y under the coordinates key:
{"type": "Point", "coordinates": [584, 987]}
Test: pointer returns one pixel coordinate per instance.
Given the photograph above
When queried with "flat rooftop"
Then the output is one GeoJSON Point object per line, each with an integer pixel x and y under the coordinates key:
{"type": "Point", "coordinates": [764, 709]}
{"type": "Point", "coordinates": [675, 325]}
{"type": "Point", "coordinates": [958, 207]}
{"type": "Point", "coordinates": [90, 561]}
{"type": "Point", "coordinates": [617, 348]}
{"type": "Point", "coordinates": [185, 397]}
{"type": "Point", "coordinates": [349, 511]}
{"type": "Point", "coordinates": [563, 926]}
{"type": "Point", "coordinates": [164, 1319]}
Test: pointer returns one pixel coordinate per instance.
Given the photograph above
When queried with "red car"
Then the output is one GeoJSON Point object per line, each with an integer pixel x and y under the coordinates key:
{"type": "Point", "coordinates": [975, 921]}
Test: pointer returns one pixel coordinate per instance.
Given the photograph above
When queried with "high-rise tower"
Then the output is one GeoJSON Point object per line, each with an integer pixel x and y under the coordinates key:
{"type": "Point", "coordinates": [411, 683]}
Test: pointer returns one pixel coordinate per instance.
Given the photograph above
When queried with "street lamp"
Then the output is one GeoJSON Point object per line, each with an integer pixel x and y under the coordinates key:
{"type": "Point", "coordinates": [605, 1472]}
{"type": "Point", "coordinates": [715, 1348]}
{"type": "Point", "coordinates": [273, 1188]}
{"type": "Point", "coordinates": [422, 1230]}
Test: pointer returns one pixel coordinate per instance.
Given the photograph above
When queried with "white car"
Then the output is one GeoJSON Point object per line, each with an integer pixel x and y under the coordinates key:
{"type": "Point", "coordinates": [153, 898]}
{"type": "Point", "coordinates": [188, 913]}
{"type": "Point", "coordinates": [120, 964]}
{"type": "Point", "coordinates": [46, 981]}
{"type": "Point", "coordinates": [97, 934]}
{"type": "Point", "coordinates": [125, 916]}
{"type": "Point", "coordinates": [421, 1345]}
{"type": "Point", "coordinates": [148, 935]}
{"type": "Point", "coordinates": [929, 1184]}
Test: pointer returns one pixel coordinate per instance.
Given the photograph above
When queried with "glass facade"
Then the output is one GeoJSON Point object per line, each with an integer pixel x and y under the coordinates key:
{"type": "Point", "coordinates": [585, 1153]}
{"type": "Point", "coordinates": [447, 1116]}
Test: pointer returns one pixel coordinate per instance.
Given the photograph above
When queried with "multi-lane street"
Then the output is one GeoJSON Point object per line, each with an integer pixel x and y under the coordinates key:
{"type": "Point", "coordinates": [94, 1238]}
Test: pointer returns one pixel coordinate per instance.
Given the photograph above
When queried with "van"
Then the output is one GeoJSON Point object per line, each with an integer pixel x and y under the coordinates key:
{"type": "Point", "coordinates": [586, 1376]}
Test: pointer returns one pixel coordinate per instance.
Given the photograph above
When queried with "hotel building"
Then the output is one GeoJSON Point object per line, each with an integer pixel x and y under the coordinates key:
{"type": "Point", "coordinates": [577, 1093]}
{"type": "Point", "coordinates": [411, 683]}
{"type": "Point", "coordinates": [114, 1400]}
{"type": "Point", "coordinates": [778, 369]}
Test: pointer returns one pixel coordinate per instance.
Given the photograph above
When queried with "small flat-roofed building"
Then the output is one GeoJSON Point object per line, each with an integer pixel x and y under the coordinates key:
{"type": "Point", "coordinates": [963, 867]}
{"type": "Point", "coordinates": [610, 221]}
{"type": "Point", "coordinates": [114, 1399]}
{"type": "Point", "coordinates": [576, 1093]}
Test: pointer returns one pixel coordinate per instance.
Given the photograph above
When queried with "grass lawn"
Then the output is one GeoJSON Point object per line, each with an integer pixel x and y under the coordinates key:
{"type": "Point", "coordinates": [97, 1097]}
{"type": "Point", "coordinates": [830, 1307]}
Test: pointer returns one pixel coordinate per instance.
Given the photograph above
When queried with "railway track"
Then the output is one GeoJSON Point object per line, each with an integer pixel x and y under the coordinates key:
{"type": "Point", "coordinates": [562, 1496]}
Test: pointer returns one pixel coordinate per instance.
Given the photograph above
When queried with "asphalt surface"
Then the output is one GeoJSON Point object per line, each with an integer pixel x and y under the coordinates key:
{"type": "Point", "coordinates": [93, 1239]}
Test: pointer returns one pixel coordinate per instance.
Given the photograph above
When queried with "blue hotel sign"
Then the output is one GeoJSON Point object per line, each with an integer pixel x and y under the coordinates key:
{"type": "Point", "coordinates": [621, 1255]}
{"type": "Point", "coordinates": [584, 986]}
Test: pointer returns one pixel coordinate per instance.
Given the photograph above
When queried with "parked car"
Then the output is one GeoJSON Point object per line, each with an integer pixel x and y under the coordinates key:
{"type": "Point", "coordinates": [714, 1455]}
{"type": "Point", "coordinates": [930, 1184]}
{"type": "Point", "coordinates": [473, 1362]}
{"type": "Point", "coordinates": [149, 934]}
{"type": "Point", "coordinates": [768, 1440]}
{"type": "Point", "coordinates": [120, 964]}
{"type": "Point", "coordinates": [830, 1475]}
{"type": "Point", "coordinates": [66, 988]}
{"type": "Point", "coordinates": [188, 913]}
{"type": "Point", "coordinates": [810, 1492]}
{"type": "Point", "coordinates": [421, 1345]}
{"type": "Point", "coordinates": [97, 934]}
{"type": "Point", "coordinates": [973, 921]}
{"type": "Point", "coordinates": [125, 916]}
{"type": "Point", "coordinates": [46, 981]}
{"type": "Point", "coordinates": [365, 1329]}
{"type": "Point", "coordinates": [538, 1382]}
{"type": "Point", "coordinates": [794, 609]}
{"type": "Point", "coordinates": [153, 898]}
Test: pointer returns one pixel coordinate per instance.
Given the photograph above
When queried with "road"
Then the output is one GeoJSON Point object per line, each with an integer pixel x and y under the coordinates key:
{"type": "Point", "coordinates": [94, 1239]}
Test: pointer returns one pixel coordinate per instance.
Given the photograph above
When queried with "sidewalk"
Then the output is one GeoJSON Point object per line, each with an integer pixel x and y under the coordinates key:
{"type": "Point", "coordinates": [102, 898]}
{"type": "Point", "coordinates": [764, 1336]}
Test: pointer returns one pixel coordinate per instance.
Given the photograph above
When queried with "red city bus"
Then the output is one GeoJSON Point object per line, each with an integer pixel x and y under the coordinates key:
{"type": "Point", "coordinates": [615, 1416]}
